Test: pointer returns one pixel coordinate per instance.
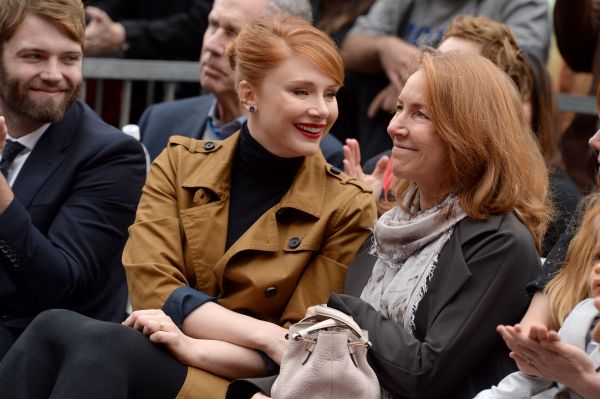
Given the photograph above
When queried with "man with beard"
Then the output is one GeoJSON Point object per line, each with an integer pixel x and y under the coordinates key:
{"type": "Point", "coordinates": [69, 183]}
{"type": "Point", "coordinates": [217, 115]}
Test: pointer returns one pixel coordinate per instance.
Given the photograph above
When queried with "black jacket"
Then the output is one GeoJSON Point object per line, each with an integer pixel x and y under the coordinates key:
{"type": "Point", "coordinates": [159, 29]}
{"type": "Point", "coordinates": [62, 236]}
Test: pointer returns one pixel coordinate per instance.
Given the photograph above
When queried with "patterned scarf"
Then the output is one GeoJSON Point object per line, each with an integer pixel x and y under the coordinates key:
{"type": "Point", "coordinates": [407, 245]}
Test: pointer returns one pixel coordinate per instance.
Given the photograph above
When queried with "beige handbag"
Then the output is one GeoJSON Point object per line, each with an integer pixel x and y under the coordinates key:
{"type": "Point", "coordinates": [326, 358]}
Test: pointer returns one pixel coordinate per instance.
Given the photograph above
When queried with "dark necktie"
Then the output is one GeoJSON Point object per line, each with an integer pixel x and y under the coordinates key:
{"type": "Point", "coordinates": [10, 152]}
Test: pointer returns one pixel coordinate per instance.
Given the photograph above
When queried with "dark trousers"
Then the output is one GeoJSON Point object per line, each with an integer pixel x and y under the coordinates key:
{"type": "Point", "coordinates": [7, 339]}
{"type": "Point", "coordinates": [63, 354]}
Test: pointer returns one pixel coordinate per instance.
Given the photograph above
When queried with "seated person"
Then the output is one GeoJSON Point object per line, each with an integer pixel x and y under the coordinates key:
{"type": "Point", "coordinates": [539, 313]}
{"type": "Point", "coordinates": [495, 41]}
{"type": "Point", "coordinates": [233, 240]}
{"type": "Point", "coordinates": [218, 114]}
{"type": "Point", "coordinates": [70, 183]}
{"type": "Point", "coordinates": [568, 360]}
{"type": "Point", "coordinates": [454, 256]}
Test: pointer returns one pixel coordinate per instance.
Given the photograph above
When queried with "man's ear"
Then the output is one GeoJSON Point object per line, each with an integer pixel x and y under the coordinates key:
{"type": "Point", "coordinates": [246, 94]}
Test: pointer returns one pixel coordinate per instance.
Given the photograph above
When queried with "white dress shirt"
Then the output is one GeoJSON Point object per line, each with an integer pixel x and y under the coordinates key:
{"type": "Point", "coordinates": [29, 141]}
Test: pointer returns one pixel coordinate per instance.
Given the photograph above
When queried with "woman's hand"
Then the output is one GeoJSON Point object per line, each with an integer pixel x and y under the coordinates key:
{"type": "Point", "coordinates": [161, 330]}
{"type": "Point", "coordinates": [517, 340]}
{"type": "Point", "coordinates": [275, 342]}
{"type": "Point", "coordinates": [542, 353]}
{"type": "Point", "coordinates": [353, 167]}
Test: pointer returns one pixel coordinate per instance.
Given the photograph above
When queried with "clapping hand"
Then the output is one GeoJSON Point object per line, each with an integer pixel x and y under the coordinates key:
{"type": "Point", "coordinates": [542, 353]}
{"type": "Point", "coordinates": [353, 168]}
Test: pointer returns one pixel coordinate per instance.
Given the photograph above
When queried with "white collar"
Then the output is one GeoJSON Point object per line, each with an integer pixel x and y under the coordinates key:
{"type": "Point", "coordinates": [31, 139]}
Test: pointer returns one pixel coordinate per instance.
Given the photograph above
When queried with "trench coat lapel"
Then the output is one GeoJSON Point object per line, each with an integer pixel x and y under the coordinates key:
{"type": "Point", "coordinates": [263, 235]}
{"type": "Point", "coordinates": [217, 178]}
{"type": "Point", "coordinates": [213, 186]}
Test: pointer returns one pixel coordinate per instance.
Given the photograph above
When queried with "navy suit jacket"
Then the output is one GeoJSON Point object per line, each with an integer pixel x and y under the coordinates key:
{"type": "Point", "coordinates": [62, 236]}
{"type": "Point", "coordinates": [188, 117]}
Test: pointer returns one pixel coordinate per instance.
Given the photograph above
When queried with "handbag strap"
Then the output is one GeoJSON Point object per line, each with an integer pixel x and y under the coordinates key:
{"type": "Point", "coordinates": [334, 318]}
{"type": "Point", "coordinates": [322, 325]}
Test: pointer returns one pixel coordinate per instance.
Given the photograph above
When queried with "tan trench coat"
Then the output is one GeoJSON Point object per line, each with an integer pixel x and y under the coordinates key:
{"type": "Point", "coordinates": [291, 258]}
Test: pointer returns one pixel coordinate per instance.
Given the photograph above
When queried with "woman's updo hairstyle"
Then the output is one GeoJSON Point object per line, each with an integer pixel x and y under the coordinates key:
{"type": "Point", "coordinates": [268, 41]}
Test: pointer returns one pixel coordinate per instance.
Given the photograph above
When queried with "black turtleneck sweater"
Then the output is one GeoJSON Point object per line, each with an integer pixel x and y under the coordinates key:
{"type": "Point", "coordinates": [259, 180]}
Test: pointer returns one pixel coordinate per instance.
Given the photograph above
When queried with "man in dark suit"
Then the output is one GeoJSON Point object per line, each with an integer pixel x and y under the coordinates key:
{"type": "Point", "coordinates": [217, 115]}
{"type": "Point", "coordinates": [69, 183]}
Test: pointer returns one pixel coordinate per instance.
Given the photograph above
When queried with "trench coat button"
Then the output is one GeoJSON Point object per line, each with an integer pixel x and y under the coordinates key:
{"type": "Point", "coordinates": [294, 242]}
{"type": "Point", "coordinates": [335, 170]}
{"type": "Point", "coordinates": [271, 292]}
{"type": "Point", "coordinates": [209, 145]}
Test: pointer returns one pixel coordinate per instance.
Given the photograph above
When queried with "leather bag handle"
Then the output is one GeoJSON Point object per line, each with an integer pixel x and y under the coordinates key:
{"type": "Point", "coordinates": [333, 318]}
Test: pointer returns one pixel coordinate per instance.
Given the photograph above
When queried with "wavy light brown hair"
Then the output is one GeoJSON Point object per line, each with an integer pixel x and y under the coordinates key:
{"type": "Point", "coordinates": [268, 41]}
{"type": "Point", "coordinates": [571, 284]}
{"type": "Point", "coordinates": [494, 162]}
{"type": "Point", "coordinates": [68, 14]}
{"type": "Point", "coordinates": [499, 46]}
